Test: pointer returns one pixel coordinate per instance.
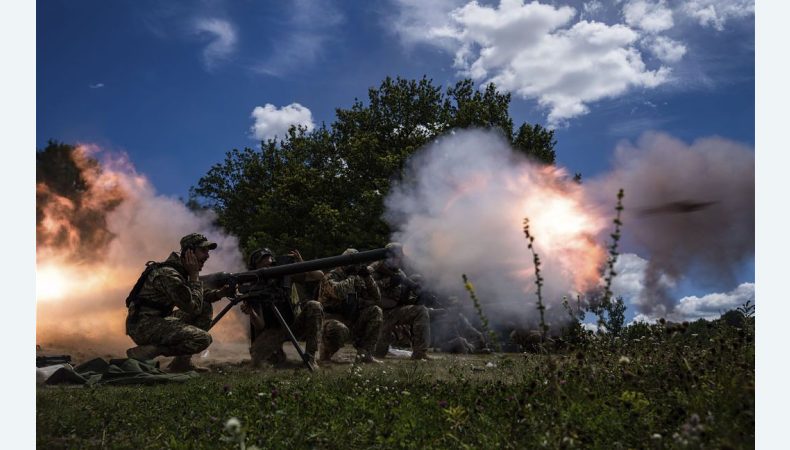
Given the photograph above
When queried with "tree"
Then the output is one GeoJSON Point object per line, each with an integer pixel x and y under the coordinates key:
{"type": "Point", "coordinates": [323, 191]}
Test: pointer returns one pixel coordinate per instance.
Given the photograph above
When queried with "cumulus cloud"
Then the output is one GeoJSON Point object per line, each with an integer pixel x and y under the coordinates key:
{"type": "Point", "coordinates": [715, 13]}
{"type": "Point", "coordinates": [536, 51]}
{"type": "Point", "coordinates": [652, 17]}
{"type": "Point", "coordinates": [666, 49]}
{"type": "Point", "coordinates": [223, 40]}
{"type": "Point", "coordinates": [708, 307]}
{"type": "Point", "coordinates": [271, 121]}
{"type": "Point", "coordinates": [310, 26]}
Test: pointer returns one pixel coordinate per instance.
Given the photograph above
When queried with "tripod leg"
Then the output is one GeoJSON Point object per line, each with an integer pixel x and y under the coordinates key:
{"type": "Point", "coordinates": [291, 337]}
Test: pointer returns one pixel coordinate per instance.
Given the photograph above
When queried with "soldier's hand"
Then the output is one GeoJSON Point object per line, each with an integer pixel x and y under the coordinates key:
{"type": "Point", "coordinates": [191, 263]}
{"type": "Point", "coordinates": [228, 291]}
{"type": "Point", "coordinates": [296, 255]}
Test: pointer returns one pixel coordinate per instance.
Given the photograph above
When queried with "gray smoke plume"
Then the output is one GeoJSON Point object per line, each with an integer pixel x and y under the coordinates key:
{"type": "Point", "coordinates": [689, 209]}
{"type": "Point", "coordinates": [459, 209]}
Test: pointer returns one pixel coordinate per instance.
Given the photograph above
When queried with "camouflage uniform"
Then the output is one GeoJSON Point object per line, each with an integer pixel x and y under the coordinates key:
{"type": "Point", "coordinates": [152, 320]}
{"type": "Point", "coordinates": [308, 318]}
{"type": "Point", "coordinates": [364, 320]}
{"type": "Point", "coordinates": [397, 298]}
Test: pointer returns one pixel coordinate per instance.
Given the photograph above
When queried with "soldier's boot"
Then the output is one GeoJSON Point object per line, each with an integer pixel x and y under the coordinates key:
{"type": "Point", "coordinates": [311, 361]}
{"type": "Point", "coordinates": [183, 363]}
{"type": "Point", "coordinates": [324, 355]}
{"type": "Point", "coordinates": [144, 352]}
{"type": "Point", "coordinates": [367, 357]}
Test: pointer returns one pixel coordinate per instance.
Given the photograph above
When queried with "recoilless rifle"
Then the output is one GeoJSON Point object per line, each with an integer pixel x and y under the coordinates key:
{"type": "Point", "coordinates": [250, 284]}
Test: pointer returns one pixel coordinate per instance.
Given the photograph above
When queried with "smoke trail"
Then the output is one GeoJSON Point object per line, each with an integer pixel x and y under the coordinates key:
{"type": "Point", "coordinates": [82, 280]}
{"type": "Point", "coordinates": [460, 209]}
{"type": "Point", "coordinates": [689, 208]}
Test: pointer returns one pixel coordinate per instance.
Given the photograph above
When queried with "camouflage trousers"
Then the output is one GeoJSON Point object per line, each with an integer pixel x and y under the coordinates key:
{"type": "Point", "coordinates": [268, 345]}
{"type": "Point", "coordinates": [416, 319]}
{"type": "Point", "coordinates": [363, 333]}
{"type": "Point", "coordinates": [177, 334]}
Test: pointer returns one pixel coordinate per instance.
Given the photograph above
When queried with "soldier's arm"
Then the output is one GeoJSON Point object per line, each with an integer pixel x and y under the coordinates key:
{"type": "Point", "coordinates": [372, 289]}
{"type": "Point", "coordinates": [315, 275]}
{"type": "Point", "coordinates": [185, 294]}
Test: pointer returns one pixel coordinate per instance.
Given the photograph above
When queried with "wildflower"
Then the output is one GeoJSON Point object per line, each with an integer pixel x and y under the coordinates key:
{"type": "Point", "coordinates": [490, 364]}
{"type": "Point", "coordinates": [226, 388]}
{"type": "Point", "coordinates": [656, 436]}
{"type": "Point", "coordinates": [624, 360]}
{"type": "Point", "coordinates": [275, 392]}
{"type": "Point", "coordinates": [443, 404]}
{"type": "Point", "coordinates": [233, 425]}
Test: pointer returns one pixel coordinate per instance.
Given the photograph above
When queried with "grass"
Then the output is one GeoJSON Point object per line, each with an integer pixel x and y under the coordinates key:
{"type": "Point", "coordinates": [654, 387]}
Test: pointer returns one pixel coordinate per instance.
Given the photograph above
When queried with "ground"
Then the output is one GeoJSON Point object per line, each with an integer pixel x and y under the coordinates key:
{"type": "Point", "coordinates": [652, 388]}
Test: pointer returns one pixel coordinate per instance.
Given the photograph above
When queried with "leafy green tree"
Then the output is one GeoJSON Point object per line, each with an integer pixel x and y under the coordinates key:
{"type": "Point", "coordinates": [323, 191]}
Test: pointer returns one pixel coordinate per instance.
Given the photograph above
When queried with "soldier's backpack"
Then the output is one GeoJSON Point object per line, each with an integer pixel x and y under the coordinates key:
{"type": "Point", "coordinates": [135, 292]}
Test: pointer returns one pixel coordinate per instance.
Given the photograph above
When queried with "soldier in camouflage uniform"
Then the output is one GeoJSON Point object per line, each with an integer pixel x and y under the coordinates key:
{"type": "Point", "coordinates": [152, 322]}
{"type": "Point", "coordinates": [398, 295]}
{"type": "Point", "coordinates": [351, 300]}
{"type": "Point", "coordinates": [308, 315]}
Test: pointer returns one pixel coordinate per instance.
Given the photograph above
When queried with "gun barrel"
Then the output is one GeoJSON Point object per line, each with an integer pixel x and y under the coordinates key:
{"type": "Point", "coordinates": [368, 256]}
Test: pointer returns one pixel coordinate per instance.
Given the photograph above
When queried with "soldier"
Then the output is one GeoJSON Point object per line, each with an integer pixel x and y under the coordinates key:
{"type": "Point", "coordinates": [152, 322]}
{"type": "Point", "coordinates": [398, 297]}
{"type": "Point", "coordinates": [268, 333]}
{"type": "Point", "coordinates": [351, 298]}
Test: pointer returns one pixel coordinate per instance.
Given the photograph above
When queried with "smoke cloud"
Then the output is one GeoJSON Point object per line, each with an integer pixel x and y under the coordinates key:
{"type": "Point", "coordinates": [689, 212]}
{"type": "Point", "coordinates": [80, 300]}
{"type": "Point", "coordinates": [689, 209]}
{"type": "Point", "coordinates": [459, 209]}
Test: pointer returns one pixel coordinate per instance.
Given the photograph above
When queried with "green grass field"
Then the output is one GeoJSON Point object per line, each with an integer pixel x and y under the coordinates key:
{"type": "Point", "coordinates": [691, 388]}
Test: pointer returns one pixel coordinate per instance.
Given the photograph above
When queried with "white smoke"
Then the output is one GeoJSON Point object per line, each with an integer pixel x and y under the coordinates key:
{"type": "Point", "coordinates": [459, 210]}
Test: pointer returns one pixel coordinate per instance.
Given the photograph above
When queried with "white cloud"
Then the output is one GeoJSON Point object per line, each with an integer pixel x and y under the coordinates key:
{"type": "Point", "coordinates": [96, 86]}
{"type": "Point", "coordinates": [535, 51]}
{"type": "Point", "coordinates": [310, 26]}
{"type": "Point", "coordinates": [591, 9]}
{"type": "Point", "coordinates": [666, 49]}
{"type": "Point", "coordinates": [271, 122]}
{"type": "Point", "coordinates": [715, 13]}
{"type": "Point", "coordinates": [652, 17]}
{"type": "Point", "coordinates": [223, 42]}
{"type": "Point", "coordinates": [425, 21]}
{"type": "Point", "coordinates": [711, 306]}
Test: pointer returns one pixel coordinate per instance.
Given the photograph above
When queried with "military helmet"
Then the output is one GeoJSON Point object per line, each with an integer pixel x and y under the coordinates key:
{"type": "Point", "coordinates": [194, 240]}
{"type": "Point", "coordinates": [257, 255]}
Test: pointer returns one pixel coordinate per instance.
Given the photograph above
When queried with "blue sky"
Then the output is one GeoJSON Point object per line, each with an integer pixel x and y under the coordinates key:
{"type": "Point", "coordinates": [177, 84]}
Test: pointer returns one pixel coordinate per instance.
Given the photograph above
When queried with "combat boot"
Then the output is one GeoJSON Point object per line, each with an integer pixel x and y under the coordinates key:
{"type": "Point", "coordinates": [183, 363]}
{"type": "Point", "coordinates": [144, 352]}
{"type": "Point", "coordinates": [311, 361]}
